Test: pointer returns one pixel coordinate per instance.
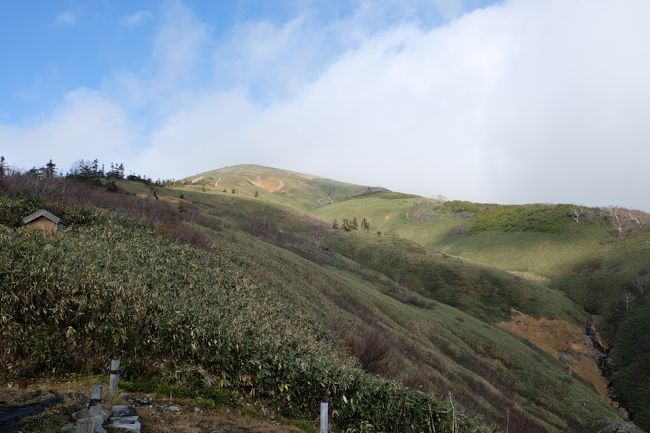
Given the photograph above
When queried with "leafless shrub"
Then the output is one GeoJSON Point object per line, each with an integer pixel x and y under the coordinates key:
{"type": "Point", "coordinates": [626, 220]}
{"type": "Point", "coordinates": [65, 194]}
{"type": "Point", "coordinates": [618, 426]}
{"type": "Point", "coordinates": [375, 352]}
{"type": "Point", "coordinates": [641, 285]}
{"type": "Point", "coordinates": [576, 214]}
{"type": "Point", "coordinates": [457, 230]}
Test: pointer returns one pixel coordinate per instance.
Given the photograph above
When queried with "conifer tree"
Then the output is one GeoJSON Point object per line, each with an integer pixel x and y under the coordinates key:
{"type": "Point", "coordinates": [335, 225]}
{"type": "Point", "coordinates": [365, 225]}
{"type": "Point", "coordinates": [50, 169]}
{"type": "Point", "coordinates": [3, 166]}
{"type": "Point", "coordinates": [355, 223]}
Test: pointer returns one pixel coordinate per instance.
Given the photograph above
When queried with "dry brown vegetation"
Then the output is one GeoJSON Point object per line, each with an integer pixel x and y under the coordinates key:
{"type": "Point", "coordinates": [562, 340]}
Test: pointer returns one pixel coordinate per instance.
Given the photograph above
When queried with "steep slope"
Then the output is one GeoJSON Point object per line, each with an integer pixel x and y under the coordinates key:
{"type": "Point", "coordinates": [285, 303]}
{"type": "Point", "coordinates": [602, 262]}
{"type": "Point", "coordinates": [298, 190]}
{"type": "Point", "coordinates": [490, 355]}
{"type": "Point", "coordinates": [180, 315]}
{"type": "Point", "coordinates": [602, 271]}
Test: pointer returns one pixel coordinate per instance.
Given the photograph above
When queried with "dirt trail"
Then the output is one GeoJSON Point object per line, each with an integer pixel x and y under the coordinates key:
{"type": "Point", "coordinates": [562, 340]}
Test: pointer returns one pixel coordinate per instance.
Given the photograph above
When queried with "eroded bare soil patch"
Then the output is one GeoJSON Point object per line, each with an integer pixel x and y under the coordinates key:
{"type": "Point", "coordinates": [269, 185]}
{"type": "Point", "coordinates": [562, 340]}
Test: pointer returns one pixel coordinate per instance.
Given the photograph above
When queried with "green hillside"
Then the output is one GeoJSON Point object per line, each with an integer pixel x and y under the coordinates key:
{"type": "Point", "coordinates": [297, 312]}
{"type": "Point", "coordinates": [298, 190]}
{"type": "Point", "coordinates": [299, 233]}
{"type": "Point", "coordinates": [589, 260]}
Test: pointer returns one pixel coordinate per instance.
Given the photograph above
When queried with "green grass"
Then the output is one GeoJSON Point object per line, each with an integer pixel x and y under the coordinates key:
{"type": "Point", "coordinates": [297, 190]}
{"type": "Point", "coordinates": [180, 314]}
{"type": "Point", "coordinates": [272, 301]}
{"type": "Point", "coordinates": [485, 293]}
{"type": "Point", "coordinates": [586, 260]}
{"type": "Point", "coordinates": [457, 350]}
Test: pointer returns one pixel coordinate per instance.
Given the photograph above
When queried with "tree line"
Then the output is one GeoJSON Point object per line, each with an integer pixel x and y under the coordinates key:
{"type": "Point", "coordinates": [85, 170]}
{"type": "Point", "coordinates": [349, 225]}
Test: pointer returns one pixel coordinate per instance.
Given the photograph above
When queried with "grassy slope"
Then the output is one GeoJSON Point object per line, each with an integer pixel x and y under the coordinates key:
{"type": "Point", "coordinates": [540, 241]}
{"type": "Point", "coordinates": [205, 316]}
{"type": "Point", "coordinates": [486, 368]}
{"type": "Point", "coordinates": [297, 190]}
{"type": "Point", "coordinates": [459, 344]}
{"type": "Point", "coordinates": [584, 260]}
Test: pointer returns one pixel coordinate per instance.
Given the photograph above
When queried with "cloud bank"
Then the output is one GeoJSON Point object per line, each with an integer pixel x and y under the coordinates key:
{"type": "Point", "coordinates": [525, 101]}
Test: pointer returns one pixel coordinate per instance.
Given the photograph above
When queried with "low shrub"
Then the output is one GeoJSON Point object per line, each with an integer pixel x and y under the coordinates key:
{"type": "Point", "coordinates": [176, 314]}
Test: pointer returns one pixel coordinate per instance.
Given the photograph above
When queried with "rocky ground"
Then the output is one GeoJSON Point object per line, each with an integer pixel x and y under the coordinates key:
{"type": "Point", "coordinates": [48, 407]}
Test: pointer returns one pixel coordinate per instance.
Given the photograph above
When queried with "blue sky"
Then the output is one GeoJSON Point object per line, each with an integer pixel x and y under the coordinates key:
{"type": "Point", "coordinates": [509, 101]}
{"type": "Point", "coordinates": [57, 46]}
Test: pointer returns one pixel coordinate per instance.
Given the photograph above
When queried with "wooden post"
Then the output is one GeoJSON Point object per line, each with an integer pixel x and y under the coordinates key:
{"type": "Point", "coordinates": [323, 417]}
{"type": "Point", "coordinates": [115, 375]}
{"type": "Point", "coordinates": [96, 394]}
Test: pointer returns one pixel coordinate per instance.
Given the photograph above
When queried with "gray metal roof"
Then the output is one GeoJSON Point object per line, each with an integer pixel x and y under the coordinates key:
{"type": "Point", "coordinates": [42, 213]}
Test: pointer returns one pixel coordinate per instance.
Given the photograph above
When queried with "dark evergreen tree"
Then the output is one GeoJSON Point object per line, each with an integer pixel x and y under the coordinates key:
{"type": "Point", "coordinates": [50, 169]}
{"type": "Point", "coordinates": [111, 186]}
{"type": "Point", "coordinates": [3, 167]}
{"type": "Point", "coordinates": [335, 225]}
{"type": "Point", "coordinates": [355, 223]}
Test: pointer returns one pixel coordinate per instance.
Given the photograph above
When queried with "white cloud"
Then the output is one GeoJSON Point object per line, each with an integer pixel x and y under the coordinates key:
{"type": "Point", "coordinates": [178, 48]}
{"type": "Point", "coordinates": [493, 106]}
{"type": "Point", "coordinates": [527, 101]}
{"type": "Point", "coordinates": [86, 125]}
{"type": "Point", "coordinates": [65, 18]}
{"type": "Point", "coordinates": [137, 18]}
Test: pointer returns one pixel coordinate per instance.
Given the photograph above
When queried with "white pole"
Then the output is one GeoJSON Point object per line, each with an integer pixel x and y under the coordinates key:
{"type": "Point", "coordinates": [323, 418]}
{"type": "Point", "coordinates": [114, 375]}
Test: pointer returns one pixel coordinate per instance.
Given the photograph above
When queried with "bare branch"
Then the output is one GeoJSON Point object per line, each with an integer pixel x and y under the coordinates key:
{"type": "Point", "coordinates": [576, 214]}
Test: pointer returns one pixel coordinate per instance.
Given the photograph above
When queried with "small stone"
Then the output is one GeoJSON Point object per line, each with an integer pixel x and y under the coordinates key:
{"type": "Point", "coordinates": [143, 401]}
{"type": "Point", "coordinates": [198, 410]}
{"type": "Point", "coordinates": [174, 408]}
{"type": "Point", "coordinates": [134, 427]}
{"type": "Point", "coordinates": [81, 414]}
{"type": "Point", "coordinates": [125, 419]}
{"type": "Point", "coordinates": [75, 396]}
{"type": "Point", "coordinates": [99, 420]}
{"type": "Point", "coordinates": [123, 410]}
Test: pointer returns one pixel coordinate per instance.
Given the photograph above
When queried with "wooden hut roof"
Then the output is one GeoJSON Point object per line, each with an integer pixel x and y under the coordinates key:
{"type": "Point", "coordinates": [42, 213]}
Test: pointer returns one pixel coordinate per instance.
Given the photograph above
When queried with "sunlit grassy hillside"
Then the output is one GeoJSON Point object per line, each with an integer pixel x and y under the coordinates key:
{"type": "Point", "coordinates": [459, 282]}
{"type": "Point", "coordinates": [597, 266]}
{"type": "Point", "coordinates": [602, 269]}
{"type": "Point", "coordinates": [298, 190]}
{"type": "Point", "coordinates": [264, 304]}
